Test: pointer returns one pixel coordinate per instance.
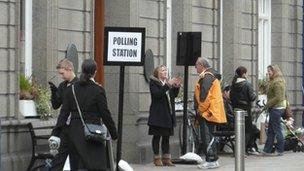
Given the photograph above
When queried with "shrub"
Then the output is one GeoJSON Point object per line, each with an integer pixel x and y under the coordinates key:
{"type": "Point", "coordinates": [42, 102]}
{"type": "Point", "coordinates": [263, 86]}
{"type": "Point", "coordinates": [28, 89]}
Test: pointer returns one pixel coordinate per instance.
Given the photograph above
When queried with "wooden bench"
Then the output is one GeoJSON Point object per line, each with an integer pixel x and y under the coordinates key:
{"type": "Point", "coordinates": [40, 150]}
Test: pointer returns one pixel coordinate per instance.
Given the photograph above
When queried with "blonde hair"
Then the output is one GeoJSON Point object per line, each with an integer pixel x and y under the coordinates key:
{"type": "Point", "coordinates": [157, 69]}
{"type": "Point", "coordinates": [276, 72]}
{"type": "Point", "coordinates": [65, 64]}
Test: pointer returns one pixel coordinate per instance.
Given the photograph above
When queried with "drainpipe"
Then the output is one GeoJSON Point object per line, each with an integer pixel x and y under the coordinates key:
{"type": "Point", "coordinates": [28, 39]}
{"type": "Point", "coordinates": [221, 36]}
{"type": "Point", "coordinates": [169, 37]}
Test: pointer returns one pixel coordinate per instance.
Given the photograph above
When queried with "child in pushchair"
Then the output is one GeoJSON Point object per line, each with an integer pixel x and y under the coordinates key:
{"type": "Point", "coordinates": [294, 139]}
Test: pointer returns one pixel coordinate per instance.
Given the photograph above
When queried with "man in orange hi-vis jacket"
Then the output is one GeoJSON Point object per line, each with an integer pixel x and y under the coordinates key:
{"type": "Point", "coordinates": [210, 107]}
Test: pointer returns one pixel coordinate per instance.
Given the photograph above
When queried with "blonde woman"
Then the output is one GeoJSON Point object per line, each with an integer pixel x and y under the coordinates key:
{"type": "Point", "coordinates": [162, 113]}
{"type": "Point", "coordinates": [276, 105]}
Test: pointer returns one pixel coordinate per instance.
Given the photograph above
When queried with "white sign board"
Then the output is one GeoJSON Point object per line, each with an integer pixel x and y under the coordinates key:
{"type": "Point", "coordinates": [124, 47]}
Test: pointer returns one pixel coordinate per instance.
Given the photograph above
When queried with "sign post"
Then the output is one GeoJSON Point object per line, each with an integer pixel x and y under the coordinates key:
{"type": "Point", "coordinates": [188, 50]}
{"type": "Point", "coordinates": [124, 46]}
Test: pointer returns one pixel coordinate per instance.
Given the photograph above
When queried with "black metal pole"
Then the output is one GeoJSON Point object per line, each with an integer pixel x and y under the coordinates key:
{"type": "Point", "coordinates": [120, 113]}
{"type": "Point", "coordinates": [184, 150]}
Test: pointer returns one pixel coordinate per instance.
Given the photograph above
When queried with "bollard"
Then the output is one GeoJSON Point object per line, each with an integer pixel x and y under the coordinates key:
{"type": "Point", "coordinates": [240, 139]}
{"type": "Point", "coordinates": [0, 141]}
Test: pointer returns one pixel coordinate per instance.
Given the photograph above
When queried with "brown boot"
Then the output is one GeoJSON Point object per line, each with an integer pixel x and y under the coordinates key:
{"type": "Point", "coordinates": [167, 160]}
{"type": "Point", "coordinates": [157, 161]}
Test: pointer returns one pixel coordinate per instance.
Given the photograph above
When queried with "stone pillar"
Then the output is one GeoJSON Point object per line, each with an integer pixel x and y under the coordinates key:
{"type": "Point", "coordinates": [232, 23]}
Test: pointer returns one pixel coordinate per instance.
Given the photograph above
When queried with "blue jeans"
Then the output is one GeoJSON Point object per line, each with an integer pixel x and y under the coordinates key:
{"type": "Point", "coordinates": [275, 131]}
{"type": "Point", "coordinates": [209, 143]}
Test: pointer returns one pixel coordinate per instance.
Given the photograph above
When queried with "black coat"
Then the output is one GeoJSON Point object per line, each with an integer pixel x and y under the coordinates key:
{"type": "Point", "coordinates": [56, 100]}
{"type": "Point", "coordinates": [93, 104]}
{"type": "Point", "coordinates": [242, 94]}
{"type": "Point", "coordinates": [58, 94]}
{"type": "Point", "coordinates": [162, 111]}
{"type": "Point", "coordinates": [229, 115]}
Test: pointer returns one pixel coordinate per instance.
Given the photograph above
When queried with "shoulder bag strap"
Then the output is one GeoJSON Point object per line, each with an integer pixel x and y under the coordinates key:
{"type": "Point", "coordinates": [79, 111]}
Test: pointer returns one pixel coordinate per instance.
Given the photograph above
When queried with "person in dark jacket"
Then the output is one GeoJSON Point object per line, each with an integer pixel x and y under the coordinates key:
{"type": "Point", "coordinates": [65, 69]}
{"type": "Point", "coordinates": [93, 105]}
{"type": "Point", "coordinates": [242, 95]}
{"type": "Point", "coordinates": [229, 126]}
{"type": "Point", "coordinates": [162, 113]}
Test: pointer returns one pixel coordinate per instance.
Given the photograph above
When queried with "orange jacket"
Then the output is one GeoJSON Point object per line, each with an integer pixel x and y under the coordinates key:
{"type": "Point", "coordinates": [212, 108]}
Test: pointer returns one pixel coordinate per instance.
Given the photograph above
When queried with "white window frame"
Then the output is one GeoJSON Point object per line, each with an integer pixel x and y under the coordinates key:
{"type": "Point", "coordinates": [27, 18]}
{"type": "Point", "coordinates": [264, 37]}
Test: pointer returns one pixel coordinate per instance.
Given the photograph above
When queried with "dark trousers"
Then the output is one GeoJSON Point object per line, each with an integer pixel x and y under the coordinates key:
{"type": "Point", "coordinates": [209, 143]}
{"type": "Point", "coordinates": [164, 144]}
{"type": "Point", "coordinates": [249, 133]}
{"type": "Point", "coordinates": [63, 152]}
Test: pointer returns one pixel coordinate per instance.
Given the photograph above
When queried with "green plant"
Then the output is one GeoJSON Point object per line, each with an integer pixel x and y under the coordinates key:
{"type": "Point", "coordinates": [42, 103]}
{"type": "Point", "coordinates": [31, 90]}
{"type": "Point", "coordinates": [28, 89]}
{"type": "Point", "coordinates": [262, 86]}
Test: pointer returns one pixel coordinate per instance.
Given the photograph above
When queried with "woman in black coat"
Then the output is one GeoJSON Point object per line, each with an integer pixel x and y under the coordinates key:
{"type": "Point", "coordinates": [162, 113]}
{"type": "Point", "coordinates": [93, 104]}
{"type": "Point", "coordinates": [242, 95]}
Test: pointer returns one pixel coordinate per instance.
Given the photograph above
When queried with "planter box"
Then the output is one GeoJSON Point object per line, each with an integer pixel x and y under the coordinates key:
{"type": "Point", "coordinates": [27, 108]}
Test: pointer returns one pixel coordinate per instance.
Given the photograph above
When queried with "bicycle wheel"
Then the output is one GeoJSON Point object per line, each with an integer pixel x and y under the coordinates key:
{"type": "Point", "coordinates": [192, 138]}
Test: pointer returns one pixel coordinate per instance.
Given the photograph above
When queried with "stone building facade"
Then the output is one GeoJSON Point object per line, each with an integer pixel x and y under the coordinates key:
{"type": "Point", "coordinates": [230, 37]}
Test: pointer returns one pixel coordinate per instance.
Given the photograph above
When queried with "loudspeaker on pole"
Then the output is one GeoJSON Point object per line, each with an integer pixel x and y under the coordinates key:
{"type": "Point", "coordinates": [188, 48]}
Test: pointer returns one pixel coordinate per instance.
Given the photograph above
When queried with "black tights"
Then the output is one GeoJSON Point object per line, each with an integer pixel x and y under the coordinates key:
{"type": "Point", "coordinates": [164, 144]}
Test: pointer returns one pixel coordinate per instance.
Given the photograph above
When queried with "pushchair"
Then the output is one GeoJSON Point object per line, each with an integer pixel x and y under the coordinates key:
{"type": "Point", "coordinates": [293, 138]}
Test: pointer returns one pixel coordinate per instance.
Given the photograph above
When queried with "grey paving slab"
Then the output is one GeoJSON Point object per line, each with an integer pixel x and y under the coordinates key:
{"type": "Point", "coordinates": [289, 162]}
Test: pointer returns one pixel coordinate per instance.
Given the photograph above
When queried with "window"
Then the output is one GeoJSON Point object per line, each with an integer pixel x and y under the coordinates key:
{"type": "Point", "coordinates": [26, 36]}
{"type": "Point", "coordinates": [264, 37]}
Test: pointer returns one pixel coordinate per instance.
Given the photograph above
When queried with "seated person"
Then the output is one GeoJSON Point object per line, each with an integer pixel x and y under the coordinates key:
{"type": "Point", "coordinates": [229, 126]}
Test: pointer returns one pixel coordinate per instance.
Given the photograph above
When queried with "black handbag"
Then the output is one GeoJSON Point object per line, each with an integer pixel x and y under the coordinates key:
{"type": "Point", "coordinates": [92, 132]}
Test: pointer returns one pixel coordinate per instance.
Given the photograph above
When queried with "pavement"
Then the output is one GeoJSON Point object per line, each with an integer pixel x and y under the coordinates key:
{"type": "Point", "coordinates": [290, 161]}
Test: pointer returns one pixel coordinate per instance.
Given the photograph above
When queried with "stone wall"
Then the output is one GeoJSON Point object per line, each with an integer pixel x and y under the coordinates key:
{"type": "Point", "coordinates": [57, 23]}
{"type": "Point", "coordinates": [9, 25]}
{"type": "Point", "coordinates": [287, 29]}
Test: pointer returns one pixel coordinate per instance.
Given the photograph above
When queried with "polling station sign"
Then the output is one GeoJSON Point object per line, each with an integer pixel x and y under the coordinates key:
{"type": "Point", "coordinates": [124, 46]}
